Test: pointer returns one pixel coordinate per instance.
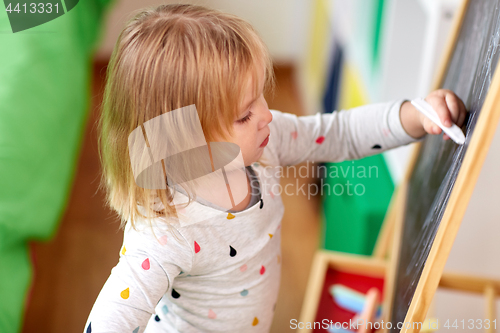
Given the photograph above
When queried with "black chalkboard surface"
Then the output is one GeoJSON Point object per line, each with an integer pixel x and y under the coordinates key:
{"type": "Point", "coordinates": [435, 175]}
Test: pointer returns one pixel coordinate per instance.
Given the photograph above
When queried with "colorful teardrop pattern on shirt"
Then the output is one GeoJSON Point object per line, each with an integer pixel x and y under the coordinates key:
{"type": "Point", "coordinates": [243, 268]}
{"type": "Point", "coordinates": [145, 264]}
{"type": "Point", "coordinates": [244, 292]}
{"type": "Point", "coordinates": [255, 321]}
{"type": "Point", "coordinates": [230, 216]}
{"type": "Point", "coordinates": [157, 318]}
{"type": "Point", "coordinates": [196, 247]}
{"type": "Point", "coordinates": [261, 203]}
{"type": "Point", "coordinates": [294, 134]}
{"type": "Point", "coordinates": [320, 140]}
{"type": "Point", "coordinates": [125, 293]}
{"type": "Point", "coordinates": [164, 309]}
{"type": "Point", "coordinates": [377, 147]}
{"type": "Point", "coordinates": [175, 294]}
{"type": "Point", "coordinates": [271, 194]}
{"type": "Point", "coordinates": [232, 251]}
{"type": "Point", "coordinates": [89, 328]}
{"type": "Point", "coordinates": [163, 240]}
{"type": "Point", "coordinates": [136, 329]}
{"type": "Point", "coordinates": [262, 270]}
{"type": "Point", "coordinates": [211, 314]}
{"type": "Point", "coordinates": [124, 250]}
{"type": "Point", "coordinates": [270, 235]}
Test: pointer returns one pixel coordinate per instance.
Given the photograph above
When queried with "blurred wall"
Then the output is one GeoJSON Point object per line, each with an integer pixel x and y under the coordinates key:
{"type": "Point", "coordinates": [283, 24]}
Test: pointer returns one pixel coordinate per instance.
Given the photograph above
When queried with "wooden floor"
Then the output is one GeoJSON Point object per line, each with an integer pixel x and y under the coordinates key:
{"type": "Point", "coordinates": [71, 269]}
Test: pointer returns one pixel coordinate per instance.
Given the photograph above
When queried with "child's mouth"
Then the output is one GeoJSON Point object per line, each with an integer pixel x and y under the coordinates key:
{"type": "Point", "coordinates": [264, 143]}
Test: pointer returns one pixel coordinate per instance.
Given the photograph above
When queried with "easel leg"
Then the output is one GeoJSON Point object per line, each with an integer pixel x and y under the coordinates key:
{"type": "Point", "coordinates": [489, 293]}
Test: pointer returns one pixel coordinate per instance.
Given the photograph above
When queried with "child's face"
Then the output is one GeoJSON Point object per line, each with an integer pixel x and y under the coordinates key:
{"type": "Point", "coordinates": [251, 128]}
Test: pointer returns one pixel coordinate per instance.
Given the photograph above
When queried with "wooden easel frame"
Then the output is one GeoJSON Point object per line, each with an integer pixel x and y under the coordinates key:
{"type": "Point", "coordinates": [469, 172]}
{"type": "Point", "coordinates": [378, 267]}
{"type": "Point", "coordinates": [346, 262]}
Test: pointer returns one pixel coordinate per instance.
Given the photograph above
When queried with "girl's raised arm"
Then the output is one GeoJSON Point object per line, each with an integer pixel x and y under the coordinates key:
{"type": "Point", "coordinates": [338, 136]}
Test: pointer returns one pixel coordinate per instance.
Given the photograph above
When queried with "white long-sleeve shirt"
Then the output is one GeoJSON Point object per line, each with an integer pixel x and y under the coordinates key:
{"type": "Point", "coordinates": [222, 274]}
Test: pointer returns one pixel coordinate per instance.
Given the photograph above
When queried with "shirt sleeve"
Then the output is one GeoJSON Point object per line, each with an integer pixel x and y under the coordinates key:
{"type": "Point", "coordinates": [338, 136]}
{"type": "Point", "coordinates": [145, 272]}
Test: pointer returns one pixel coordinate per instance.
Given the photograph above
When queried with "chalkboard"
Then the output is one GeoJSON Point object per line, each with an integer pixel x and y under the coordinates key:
{"type": "Point", "coordinates": [441, 179]}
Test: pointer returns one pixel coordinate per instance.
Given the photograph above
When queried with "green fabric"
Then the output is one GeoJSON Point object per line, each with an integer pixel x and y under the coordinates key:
{"type": "Point", "coordinates": [378, 30]}
{"type": "Point", "coordinates": [15, 275]}
{"type": "Point", "coordinates": [44, 101]}
{"type": "Point", "coordinates": [352, 222]}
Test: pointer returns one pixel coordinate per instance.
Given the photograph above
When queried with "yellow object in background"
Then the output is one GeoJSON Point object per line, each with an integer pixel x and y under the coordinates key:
{"type": "Point", "coordinates": [352, 92]}
{"type": "Point", "coordinates": [316, 67]}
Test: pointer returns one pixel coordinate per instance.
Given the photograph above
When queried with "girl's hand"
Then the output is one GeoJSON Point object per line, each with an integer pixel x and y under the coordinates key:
{"type": "Point", "coordinates": [448, 106]}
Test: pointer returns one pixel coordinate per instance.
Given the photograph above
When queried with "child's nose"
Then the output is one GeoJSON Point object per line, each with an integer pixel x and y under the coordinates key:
{"type": "Point", "coordinates": [267, 116]}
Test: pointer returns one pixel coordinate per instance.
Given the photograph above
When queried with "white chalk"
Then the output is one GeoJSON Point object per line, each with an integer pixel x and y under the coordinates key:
{"type": "Point", "coordinates": [454, 132]}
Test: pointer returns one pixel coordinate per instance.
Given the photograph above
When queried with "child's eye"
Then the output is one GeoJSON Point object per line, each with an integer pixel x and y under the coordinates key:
{"type": "Point", "coordinates": [245, 119]}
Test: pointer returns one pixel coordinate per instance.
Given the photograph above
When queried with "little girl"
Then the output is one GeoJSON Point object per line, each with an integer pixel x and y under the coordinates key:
{"type": "Point", "coordinates": [214, 269]}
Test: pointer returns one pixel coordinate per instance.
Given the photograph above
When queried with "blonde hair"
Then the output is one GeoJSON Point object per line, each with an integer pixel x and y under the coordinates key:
{"type": "Point", "coordinates": [166, 58]}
